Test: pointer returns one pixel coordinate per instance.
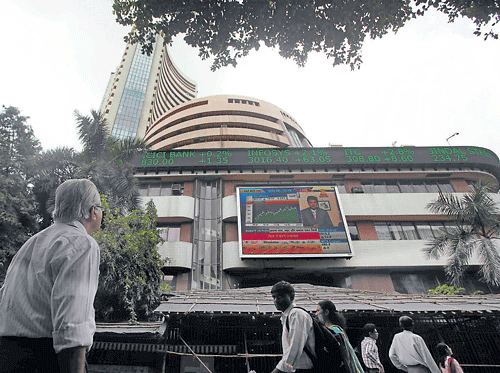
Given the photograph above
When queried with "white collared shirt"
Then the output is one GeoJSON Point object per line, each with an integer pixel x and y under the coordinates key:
{"type": "Point", "coordinates": [409, 349]}
{"type": "Point", "coordinates": [299, 335]}
{"type": "Point", "coordinates": [50, 287]}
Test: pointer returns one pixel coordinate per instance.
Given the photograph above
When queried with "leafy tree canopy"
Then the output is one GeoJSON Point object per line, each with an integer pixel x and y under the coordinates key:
{"type": "Point", "coordinates": [130, 279]}
{"type": "Point", "coordinates": [55, 166]}
{"type": "Point", "coordinates": [230, 29]}
{"type": "Point", "coordinates": [104, 160]}
{"type": "Point", "coordinates": [19, 150]}
{"type": "Point", "coordinates": [477, 231]}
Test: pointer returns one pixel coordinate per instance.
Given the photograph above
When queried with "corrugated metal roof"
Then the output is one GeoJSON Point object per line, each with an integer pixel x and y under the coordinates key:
{"type": "Point", "coordinates": [259, 301]}
{"type": "Point", "coordinates": [127, 328]}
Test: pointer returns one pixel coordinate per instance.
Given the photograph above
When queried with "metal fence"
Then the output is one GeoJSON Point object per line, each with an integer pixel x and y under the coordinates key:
{"type": "Point", "coordinates": [240, 343]}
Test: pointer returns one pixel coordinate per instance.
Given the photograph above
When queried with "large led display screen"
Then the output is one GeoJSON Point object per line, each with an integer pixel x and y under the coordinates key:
{"type": "Point", "coordinates": [278, 222]}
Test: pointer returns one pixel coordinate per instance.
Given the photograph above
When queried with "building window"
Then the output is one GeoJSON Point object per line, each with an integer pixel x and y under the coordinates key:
{"type": "Point", "coordinates": [445, 187]}
{"type": "Point", "coordinates": [409, 231]}
{"type": "Point", "coordinates": [353, 230]}
{"type": "Point", "coordinates": [170, 233]}
{"type": "Point", "coordinates": [396, 231]}
{"type": "Point", "coordinates": [424, 231]}
{"type": "Point", "coordinates": [382, 231]}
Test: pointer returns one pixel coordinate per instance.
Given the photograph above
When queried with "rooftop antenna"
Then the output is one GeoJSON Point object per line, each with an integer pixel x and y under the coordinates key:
{"type": "Point", "coordinates": [455, 134]}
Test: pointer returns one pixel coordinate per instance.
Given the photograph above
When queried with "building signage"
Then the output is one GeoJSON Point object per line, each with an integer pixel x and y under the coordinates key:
{"type": "Point", "coordinates": [317, 157]}
{"type": "Point", "coordinates": [279, 222]}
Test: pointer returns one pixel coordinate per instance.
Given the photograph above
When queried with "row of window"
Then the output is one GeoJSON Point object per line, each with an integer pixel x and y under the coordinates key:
{"type": "Point", "coordinates": [398, 186]}
{"type": "Point", "coordinates": [240, 101]}
{"type": "Point", "coordinates": [407, 186]}
{"type": "Point", "coordinates": [160, 189]}
{"type": "Point", "coordinates": [411, 230]}
{"type": "Point", "coordinates": [404, 230]}
{"type": "Point", "coordinates": [385, 231]}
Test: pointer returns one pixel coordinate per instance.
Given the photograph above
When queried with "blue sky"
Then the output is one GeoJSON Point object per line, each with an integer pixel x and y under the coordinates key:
{"type": "Point", "coordinates": [416, 87]}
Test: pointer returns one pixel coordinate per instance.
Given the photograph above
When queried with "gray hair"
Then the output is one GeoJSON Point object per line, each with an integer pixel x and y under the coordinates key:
{"type": "Point", "coordinates": [74, 199]}
{"type": "Point", "coordinates": [406, 322]}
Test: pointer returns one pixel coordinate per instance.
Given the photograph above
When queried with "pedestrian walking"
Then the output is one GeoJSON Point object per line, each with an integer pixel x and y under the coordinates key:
{"type": "Point", "coordinates": [369, 349]}
{"type": "Point", "coordinates": [409, 352]}
{"type": "Point", "coordinates": [298, 334]}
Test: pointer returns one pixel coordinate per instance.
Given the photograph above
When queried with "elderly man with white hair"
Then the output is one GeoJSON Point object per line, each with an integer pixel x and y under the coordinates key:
{"type": "Point", "coordinates": [46, 303]}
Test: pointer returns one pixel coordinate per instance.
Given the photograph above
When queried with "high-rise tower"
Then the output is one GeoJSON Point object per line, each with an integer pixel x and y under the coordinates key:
{"type": "Point", "coordinates": [142, 89]}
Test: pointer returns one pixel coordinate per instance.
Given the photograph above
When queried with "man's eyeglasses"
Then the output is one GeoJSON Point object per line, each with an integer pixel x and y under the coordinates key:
{"type": "Point", "coordinates": [102, 214]}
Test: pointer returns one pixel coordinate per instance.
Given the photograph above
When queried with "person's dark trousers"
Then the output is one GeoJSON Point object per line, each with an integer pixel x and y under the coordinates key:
{"type": "Point", "coordinates": [27, 355]}
{"type": "Point", "coordinates": [304, 371]}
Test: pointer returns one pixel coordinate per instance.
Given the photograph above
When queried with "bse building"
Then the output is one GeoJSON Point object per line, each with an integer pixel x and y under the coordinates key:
{"type": "Point", "coordinates": [245, 200]}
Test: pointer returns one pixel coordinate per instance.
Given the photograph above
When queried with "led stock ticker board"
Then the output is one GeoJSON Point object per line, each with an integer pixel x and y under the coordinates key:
{"type": "Point", "coordinates": [317, 157]}
{"type": "Point", "coordinates": [284, 222]}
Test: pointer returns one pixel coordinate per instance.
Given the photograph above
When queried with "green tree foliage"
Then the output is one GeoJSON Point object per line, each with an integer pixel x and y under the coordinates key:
{"type": "Point", "coordinates": [130, 280]}
{"type": "Point", "coordinates": [106, 161]}
{"type": "Point", "coordinates": [230, 29]}
{"type": "Point", "coordinates": [446, 290]}
{"type": "Point", "coordinates": [477, 231]}
{"type": "Point", "coordinates": [19, 150]}
{"type": "Point", "coordinates": [54, 167]}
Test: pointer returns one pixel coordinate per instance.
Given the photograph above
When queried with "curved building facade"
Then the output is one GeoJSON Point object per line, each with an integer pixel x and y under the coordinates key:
{"type": "Point", "coordinates": [225, 121]}
{"type": "Point", "coordinates": [173, 88]}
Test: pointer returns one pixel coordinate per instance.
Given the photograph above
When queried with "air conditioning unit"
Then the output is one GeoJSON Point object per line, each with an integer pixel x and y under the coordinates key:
{"type": "Point", "coordinates": [176, 189]}
{"type": "Point", "coordinates": [357, 189]}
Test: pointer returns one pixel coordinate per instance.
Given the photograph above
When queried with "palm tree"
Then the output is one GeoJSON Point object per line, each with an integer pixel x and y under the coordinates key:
{"type": "Point", "coordinates": [54, 166]}
{"type": "Point", "coordinates": [477, 229]}
{"type": "Point", "coordinates": [106, 161]}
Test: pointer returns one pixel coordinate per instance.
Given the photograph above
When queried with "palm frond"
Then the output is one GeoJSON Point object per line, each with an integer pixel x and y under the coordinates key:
{"type": "Point", "coordinates": [459, 252]}
{"type": "Point", "coordinates": [489, 255]}
{"type": "Point", "coordinates": [92, 132]}
{"type": "Point", "coordinates": [446, 204]}
{"type": "Point", "coordinates": [435, 248]}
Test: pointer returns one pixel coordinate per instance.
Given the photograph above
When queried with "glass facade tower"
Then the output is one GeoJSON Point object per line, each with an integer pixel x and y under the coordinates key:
{"type": "Point", "coordinates": [130, 108]}
{"type": "Point", "coordinates": [142, 89]}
